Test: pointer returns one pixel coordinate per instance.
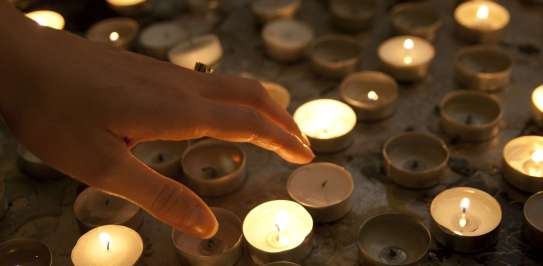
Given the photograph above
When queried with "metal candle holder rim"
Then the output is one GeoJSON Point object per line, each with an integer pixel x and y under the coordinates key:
{"type": "Point", "coordinates": [506, 147]}
{"type": "Point", "coordinates": [535, 195]}
{"type": "Point", "coordinates": [484, 48]}
{"type": "Point", "coordinates": [332, 38]}
{"type": "Point", "coordinates": [431, 136]}
{"type": "Point", "coordinates": [26, 241]}
{"type": "Point", "coordinates": [335, 166]}
{"type": "Point", "coordinates": [436, 23]}
{"type": "Point", "coordinates": [408, 215]}
{"type": "Point", "coordinates": [352, 76]}
{"type": "Point", "coordinates": [453, 94]}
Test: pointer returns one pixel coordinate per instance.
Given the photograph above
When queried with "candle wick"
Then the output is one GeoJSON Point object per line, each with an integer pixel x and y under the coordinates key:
{"type": "Point", "coordinates": [414, 165]}
{"type": "Point", "coordinates": [107, 246]}
{"type": "Point", "coordinates": [392, 253]}
{"type": "Point", "coordinates": [107, 202]}
{"type": "Point", "coordinates": [323, 185]}
{"type": "Point", "coordinates": [160, 158]}
{"type": "Point", "coordinates": [469, 119]}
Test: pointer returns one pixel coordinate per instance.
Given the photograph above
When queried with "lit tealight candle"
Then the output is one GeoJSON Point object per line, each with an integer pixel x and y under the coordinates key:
{"type": "Point", "coordinates": [523, 163]}
{"type": "Point", "coordinates": [127, 7]}
{"type": "Point", "coordinates": [481, 21]}
{"type": "Point", "coordinates": [157, 39]}
{"type": "Point", "coordinates": [327, 123]}
{"type": "Point", "coordinates": [278, 230]}
{"type": "Point", "coordinates": [537, 105]}
{"type": "Point", "coordinates": [406, 58]}
{"type": "Point", "coordinates": [47, 18]}
{"type": "Point", "coordinates": [117, 32]}
{"type": "Point", "coordinates": [108, 245]}
{"type": "Point", "coordinates": [206, 49]}
{"type": "Point", "coordinates": [465, 219]}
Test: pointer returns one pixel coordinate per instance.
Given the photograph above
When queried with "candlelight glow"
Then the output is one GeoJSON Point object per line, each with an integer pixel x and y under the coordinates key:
{"type": "Point", "coordinates": [373, 96]}
{"type": "Point", "coordinates": [47, 18]}
{"type": "Point", "coordinates": [125, 3]}
{"type": "Point", "coordinates": [464, 204]}
{"type": "Point", "coordinates": [537, 97]}
{"type": "Point", "coordinates": [482, 12]}
{"type": "Point", "coordinates": [534, 165]}
{"type": "Point", "coordinates": [325, 118]}
{"type": "Point", "coordinates": [114, 36]}
{"type": "Point", "coordinates": [408, 44]}
{"type": "Point", "coordinates": [105, 239]}
{"type": "Point", "coordinates": [537, 156]}
{"type": "Point", "coordinates": [280, 227]}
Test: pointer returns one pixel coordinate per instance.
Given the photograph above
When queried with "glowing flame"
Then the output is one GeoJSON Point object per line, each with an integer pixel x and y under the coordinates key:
{"type": "Point", "coordinates": [537, 156]}
{"type": "Point", "coordinates": [280, 224]}
{"type": "Point", "coordinates": [373, 96]}
{"type": "Point", "coordinates": [464, 204]}
{"type": "Point", "coordinates": [114, 36]}
{"type": "Point", "coordinates": [105, 239]}
{"type": "Point", "coordinates": [408, 44]}
{"type": "Point", "coordinates": [482, 12]}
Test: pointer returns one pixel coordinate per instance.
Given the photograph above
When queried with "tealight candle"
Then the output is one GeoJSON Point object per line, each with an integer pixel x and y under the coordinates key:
{"type": "Point", "coordinates": [533, 220]}
{"type": "Point", "coordinates": [373, 95]}
{"type": "Point", "coordinates": [327, 123]}
{"type": "Point", "coordinates": [415, 160]}
{"type": "Point", "coordinates": [213, 167]}
{"type": "Point", "coordinates": [465, 219]}
{"type": "Point", "coordinates": [163, 156]}
{"type": "Point", "coordinates": [406, 58]}
{"type": "Point", "coordinates": [157, 39]}
{"type": "Point", "coordinates": [481, 21]}
{"type": "Point", "coordinates": [268, 10]}
{"type": "Point", "coordinates": [393, 239]}
{"type": "Point", "coordinates": [117, 32]}
{"type": "Point", "coordinates": [416, 19]}
{"type": "Point", "coordinates": [334, 56]}
{"type": "Point", "coordinates": [108, 245]}
{"type": "Point", "coordinates": [286, 39]}
{"type": "Point", "coordinates": [483, 67]}
{"type": "Point", "coordinates": [93, 208]}
{"type": "Point", "coordinates": [127, 7]}
{"type": "Point", "coordinates": [206, 49]}
{"type": "Point", "coordinates": [470, 116]}
{"type": "Point", "coordinates": [47, 18]}
{"type": "Point", "coordinates": [34, 166]}
{"type": "Point", "coordinates": [277, 92]}
{"type": "Point", "coordinates": [224, 249]}
{"type": "Point", "coordinates": [278, 230]}
{"type": "Point", "coordinates": [537, 105]}
{"type": "Point", "coordinates": [324, 189]}
{"type": "Point", "coordinates": [352, 15]}
{"type": "Point", "coordinates": [523, 163]}
{"type": "Point", "coordinates": [25, 252]}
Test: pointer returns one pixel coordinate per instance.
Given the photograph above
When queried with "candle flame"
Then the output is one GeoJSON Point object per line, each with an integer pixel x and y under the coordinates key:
{"type": "Point", "coordinates": [482, 12]}
{"type": "Point", "coordinates": [114, 36]}
{"type": "Point", "coordinates": [373, 96]}
{"type": "Point", "coordinates": [537, 156]}
{"type": "Point", "coordinates": [408, 44]}
{"type": "Point", "coordinates": [464, 204]}
{"type": "Point", "coordinates": [105, 239]}
{"type": "Point", "coordinates": [281, 221]}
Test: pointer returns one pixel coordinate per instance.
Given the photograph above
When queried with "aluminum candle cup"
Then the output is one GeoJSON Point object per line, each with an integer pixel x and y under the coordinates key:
{"type": "Point", "coordinates": [163, 156]}
{"type": "Point", "coordinates": [481, 21]}
{"type": "Point", "coordinates": [533, 220]}
{"type": "Point", "coordinates": [334, 56]}
{"type": "Point", "coordinates": [327, 123]}
{"type": "Point", "coordinates": [116, 32]}
{"type": "Point", "coordinates": [206, 49]}
{"type": "Point", "coordinates": [415, 160]}
{"type": "Point", "coordinates": [157, 39]}
{"type": "Point", "coordinates": [25, 252]}
{"type": "Point", "coordinates": [523, 163]}
{"type": "Point", "coordinates": [268, 10]}
{"type": "Point", "coordinates": [278, 230]}
{"type": "Point", "coordinates": [129, 7]}
{"type": "Point", "coordinates": [214, 168]}
{"type": "Point", "coordinates": [47, 18]}
{"type": "Point", "coordinates": [470, 116]}
{"type": "Point", "coordinates": [416, 19]}
{"type": "Point", "coordinates": [278, 93]}
{"type": "Point", "coordinates": [407, 58]}
{"type": "Point", "coordinates": [324, 189]}
{"type": "Point", "coordinates": [465, 219]}
{"type": "Point", "coordinates": [485, 68]}
{"type": "Point", "coordinates": [352, 15]}
{"type": "Point", "coordinates": [286, 39]}
{"type": "Point", "coordinates": [34, 167]}
{"type": "Point", "coordinates": [224, 249]}
{"type": "Point", "coordinates": [393, 239]}
{"type": "Point", "coordinates": [537, 105]}
{"type": "Point", "coordinates": [373, 95]}
{"type": "Point", "coordinates": [93, 208]}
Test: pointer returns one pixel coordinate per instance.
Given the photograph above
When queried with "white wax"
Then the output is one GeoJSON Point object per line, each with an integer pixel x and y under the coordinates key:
{"type": "Point", "coordinates": [91, 249]}
{"type": "Point", "coordinates": [287, 34]}
{"type": "Point", "coordinates": [205, 49]}
{"type": "Point", "coordinates": [278, 93]}
{"type": "Point", "coordinates": [519, 153]}
{"type": "Point", "coordinates": [481, 15]}
{"type": "Point", "coordinates": [125, 3]}
{"type": "Point", "coordinates": [47, 18]}
{"type": "Point", "coordinates": [325, 118]}
{"type": "Point", "coordinates": [160, 37]}
{"type": "Point", "coordinates": [260, 225]}
{"type": "Point", "coordinates": [399, 51]}
{"type": "Point", "coordinates": [483, 208]}
{"type": "Point", "coordinates": [537, 98]}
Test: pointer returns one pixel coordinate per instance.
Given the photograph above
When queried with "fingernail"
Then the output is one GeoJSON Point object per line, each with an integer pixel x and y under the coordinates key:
{"type": "Point", "coordinates": [309, 151]}
{"type": "Point", "coordinates": [306, 140]}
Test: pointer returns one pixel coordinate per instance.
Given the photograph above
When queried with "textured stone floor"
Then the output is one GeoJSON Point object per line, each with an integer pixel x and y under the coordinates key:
{"type": "Point", "coordinates": [43, 210]}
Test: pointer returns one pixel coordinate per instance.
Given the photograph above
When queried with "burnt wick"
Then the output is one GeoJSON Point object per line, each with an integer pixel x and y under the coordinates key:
{"type": "Point", "coordinates": [210, 172]}
{"type": "Point", "coordinates": [469, 120]}
{"type": "Point", "coordinates": [323, 185]}
{"type": "Point", "coordinates": [107, 202]}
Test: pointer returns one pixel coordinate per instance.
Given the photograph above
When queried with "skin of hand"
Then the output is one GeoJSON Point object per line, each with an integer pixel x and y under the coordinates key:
{"type": "Point", "coordinates": [81, 106]}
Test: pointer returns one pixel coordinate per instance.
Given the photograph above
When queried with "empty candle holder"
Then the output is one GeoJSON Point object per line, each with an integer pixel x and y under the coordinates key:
{"type": "Point", "coordinates": [533, 220]}
{"type": "Point", "coordinates": [537, 105]}
{"type": "Point", "coordinates": [373, 95]}
{"type": "Point", "coordinates": [352, 15]}
{"type": "Point", "coordinates": [206, 49]}
{"type": "Point", "coordinates": [393, 239]}
{"type": "Point", "coordinates": [470, 116]}
{"type": "Point", "coordinates": [465, 219]}
{"type": "Point", "coordinates": [523, 163]}
{"type": "Point", "coordinates": [157, 39]}
{"type": "Point", "coordinates": [162, 156]}
{"type": "Point", "coordinates": [35, 167]}
{"type": "Point", "coordinates": [278, 230]}
{"type": "Point", "coordinates": [416, 19]}
{"type": "Point", "coordinates": [214, 168]}
{"type": "Point", "coordinates": [324, 189]}
{"type": "Point", "coordinates": [407, 58]}
{"type": "Point", "coordinates": [93, 208]}
{"type": "Point", "coordinates": [334, 56]}
{"type": "Point", "coordinates": [25, 252]}
{"type": "Point", "coordinates": [224, 249]}
{"type": "Point", "coordinates": [268, 10]}
{"type": "Point", "coordinates": [327, 123]}
{"type": "Point", "coordinates": [286, 40]}
{"type": "Point", "coordinates": [116, 32]}
{"type": "Point", "coordinates": [415, 160]}
{"type": "Point", "coordinates": [481, 21]}
{"type": "Point", "coordinates": [483, 67]}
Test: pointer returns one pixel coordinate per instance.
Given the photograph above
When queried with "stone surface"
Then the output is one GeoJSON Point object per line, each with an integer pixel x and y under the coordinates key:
{"type": "Point", "coordinates": [43, 210]}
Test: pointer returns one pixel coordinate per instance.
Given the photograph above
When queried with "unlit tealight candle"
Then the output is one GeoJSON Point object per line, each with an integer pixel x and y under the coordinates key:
{"type": "Point", "coordinates": [206, 49]}
{"type": "Point", "coordinates": [157, 39]}
{"type": "Point", "coordinates": [286, 39]}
